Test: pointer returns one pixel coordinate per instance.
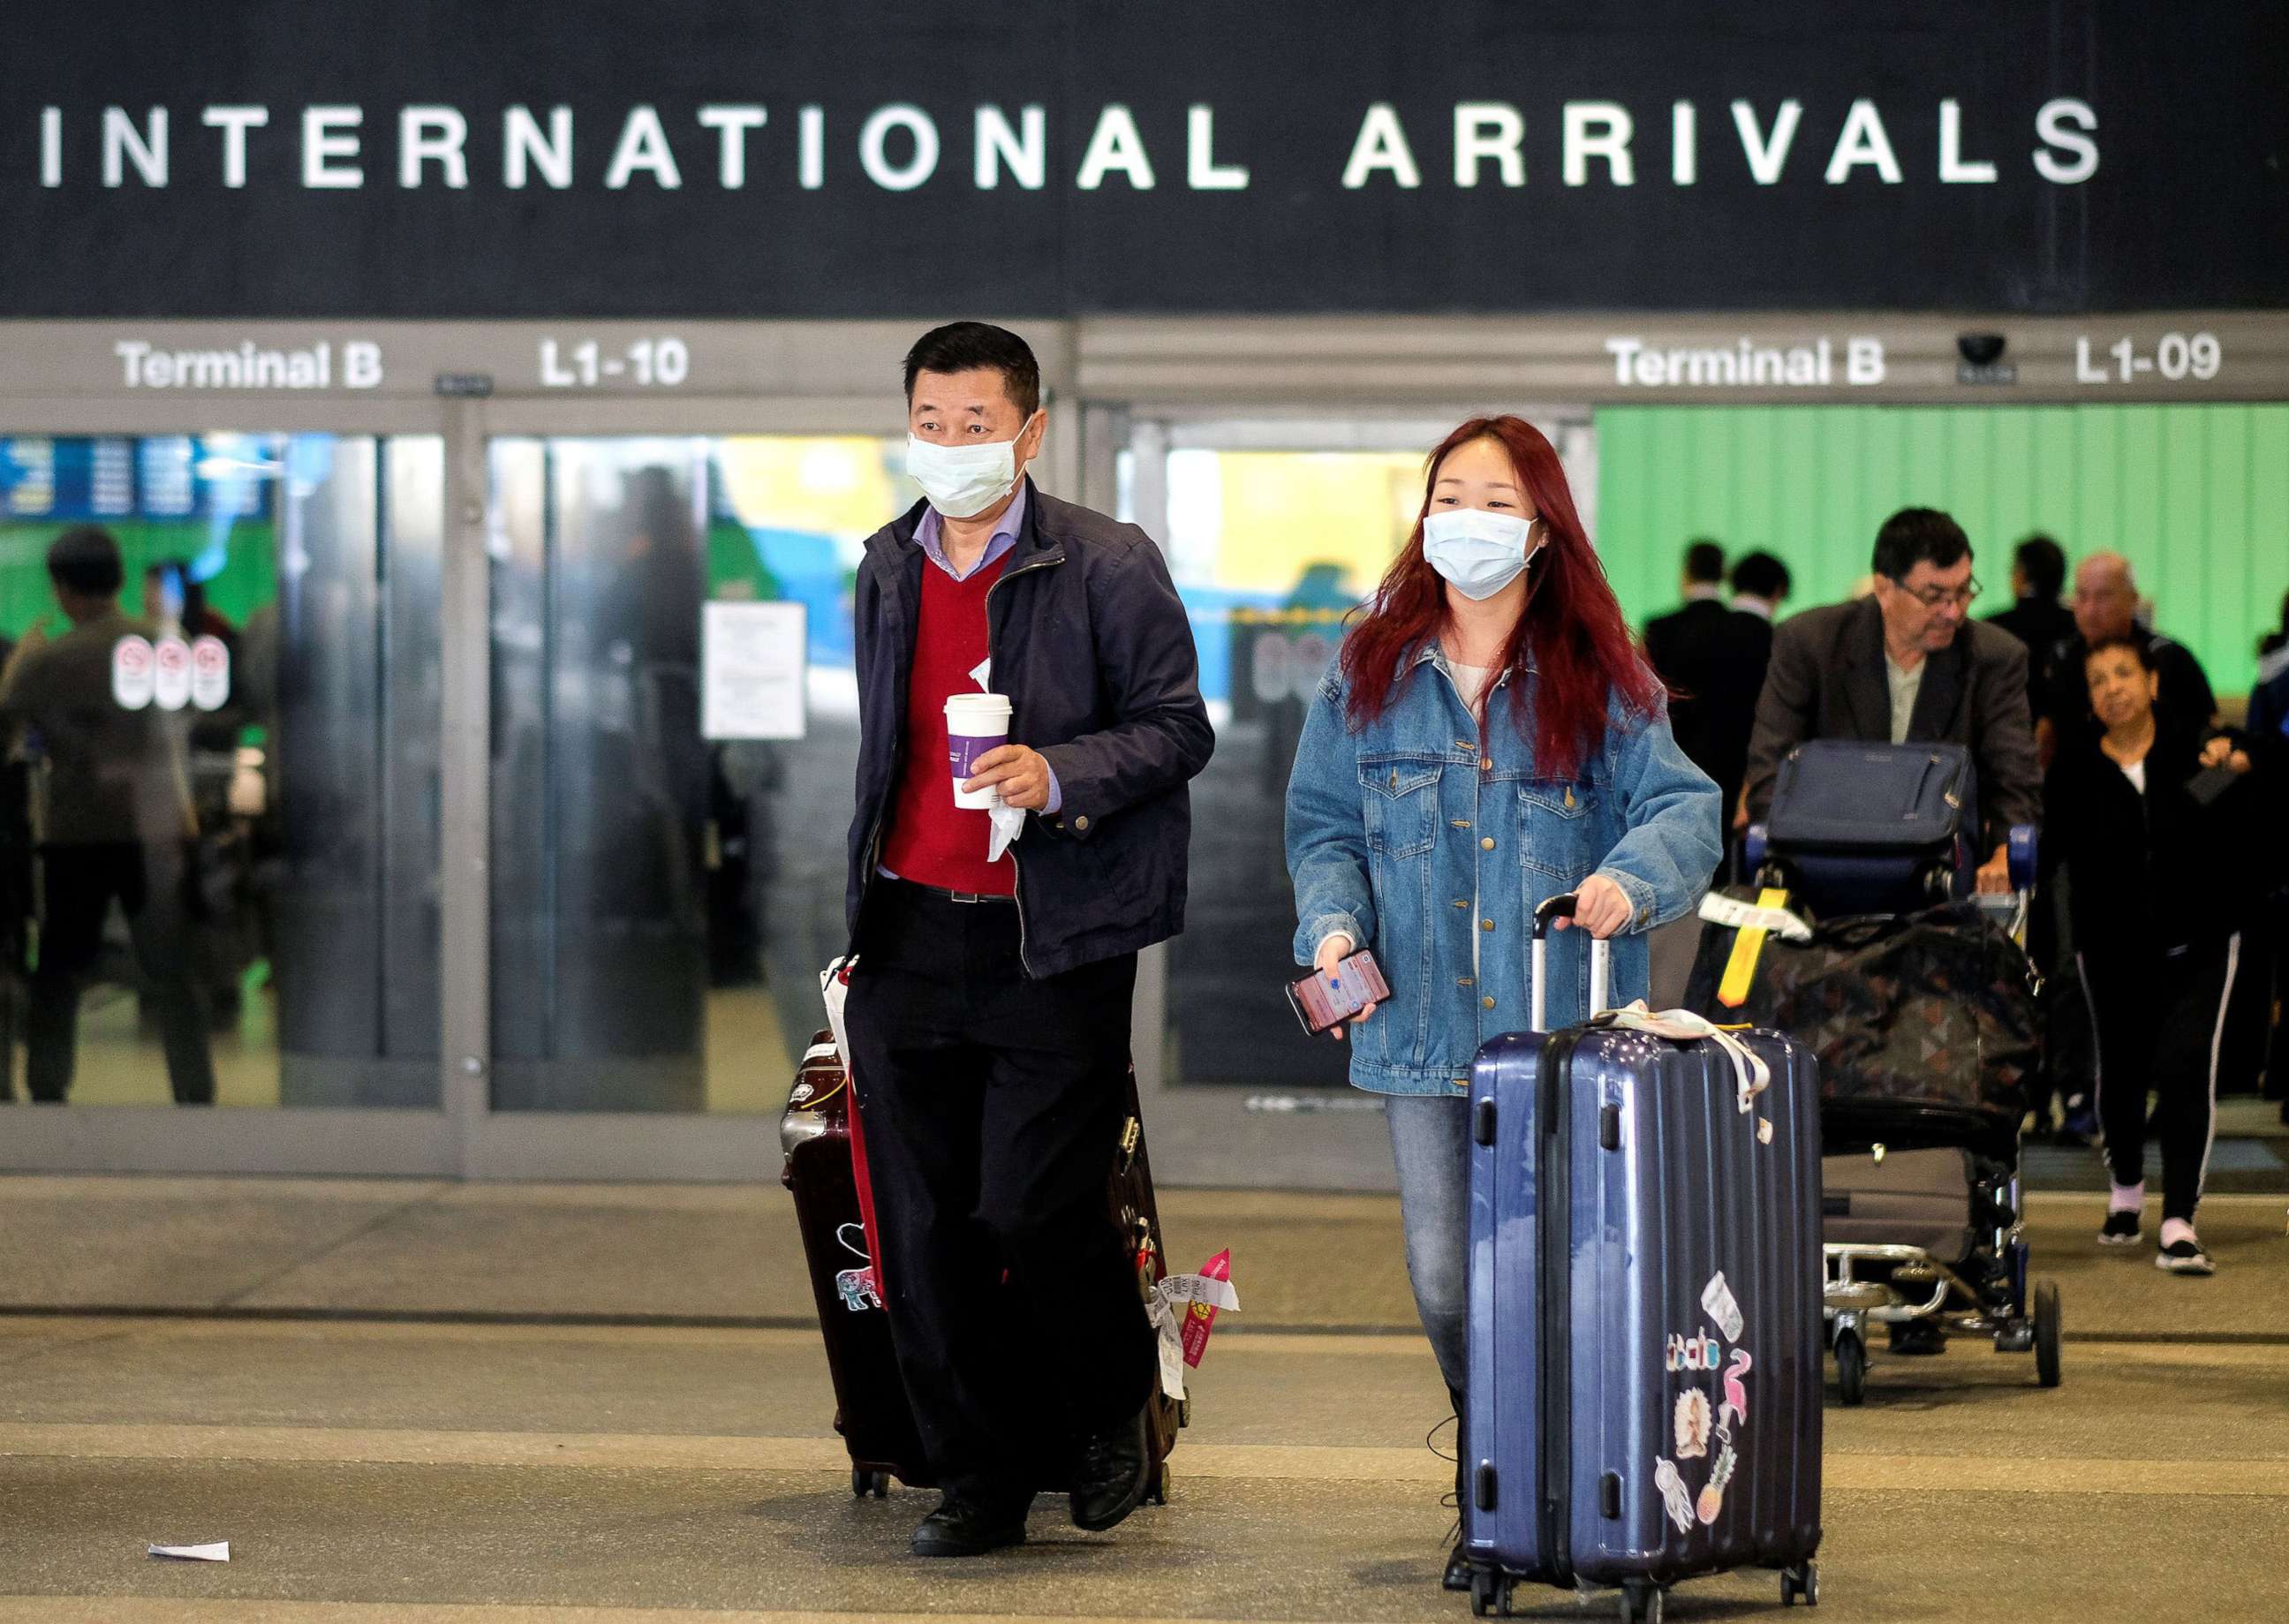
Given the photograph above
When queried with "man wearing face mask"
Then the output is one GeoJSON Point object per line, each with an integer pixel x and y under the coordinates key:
{"type": "Point", "coordinates": [988, 1015]}
{"type": "Point", "coordinates": [1907, 663]}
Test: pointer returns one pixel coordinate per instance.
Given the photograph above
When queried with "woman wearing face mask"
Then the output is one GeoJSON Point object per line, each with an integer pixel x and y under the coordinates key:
{"type": "Point", "coordinates": [2150, 826]}
{"type": "Point", "coordinates": [1490, 737]}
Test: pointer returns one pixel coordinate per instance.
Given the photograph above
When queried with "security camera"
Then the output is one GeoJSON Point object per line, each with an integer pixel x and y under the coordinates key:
{"type": "Point", "coordinates": [1981, 349]}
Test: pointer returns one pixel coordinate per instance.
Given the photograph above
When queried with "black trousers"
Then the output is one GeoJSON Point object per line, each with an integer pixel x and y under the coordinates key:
{"type": "Point", "coordinates": [77, 886]}
{"type": "Point", "coordinates": [2158, 1022]}
{"type": "Point", "coordinates": [993, 1107]}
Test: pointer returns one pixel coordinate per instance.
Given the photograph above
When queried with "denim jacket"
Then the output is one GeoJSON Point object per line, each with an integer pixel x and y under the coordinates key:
{"type": "Point", "coordinates": [1405, 838]}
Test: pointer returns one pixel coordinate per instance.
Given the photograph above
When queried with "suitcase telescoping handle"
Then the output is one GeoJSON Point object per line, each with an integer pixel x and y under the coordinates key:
{"type": "Point", "coordinates": [1601, 957]}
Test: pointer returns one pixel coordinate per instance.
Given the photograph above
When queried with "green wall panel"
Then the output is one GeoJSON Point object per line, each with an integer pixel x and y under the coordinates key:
{"type": "Point", "coordinates": [2195, 497]}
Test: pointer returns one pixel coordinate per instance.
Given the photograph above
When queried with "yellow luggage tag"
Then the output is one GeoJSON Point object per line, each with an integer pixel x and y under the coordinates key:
{"type": "Point", "coordinates": [1748, 946]}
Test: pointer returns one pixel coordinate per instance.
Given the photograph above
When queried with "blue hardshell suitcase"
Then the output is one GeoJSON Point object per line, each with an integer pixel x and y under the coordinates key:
{"type": "Point", "coordinates": [1645, 1388]}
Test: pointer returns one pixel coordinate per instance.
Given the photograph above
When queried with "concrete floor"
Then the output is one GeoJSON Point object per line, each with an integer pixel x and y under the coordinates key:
{"type": "Point", "coordinates": [438, 1402]}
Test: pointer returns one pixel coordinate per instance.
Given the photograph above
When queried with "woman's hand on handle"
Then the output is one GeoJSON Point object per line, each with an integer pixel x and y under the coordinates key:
{"type": "Point", "coordinates": [1332, 952]}
{"type": "Point", "coordinates": [1601, 907]}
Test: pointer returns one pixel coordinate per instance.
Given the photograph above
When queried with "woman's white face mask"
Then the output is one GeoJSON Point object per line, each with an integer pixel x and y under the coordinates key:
{"type": "Point", "coordinates": [1478, 552]}
{"type": "Point", "coordinates": [963, 480]}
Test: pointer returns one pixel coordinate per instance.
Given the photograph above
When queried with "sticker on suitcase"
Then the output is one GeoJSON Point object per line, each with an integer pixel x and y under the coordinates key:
{"type": "Point", "coordinates": [860, 1289]}
{"type": "Point", "coordinates": [1717, 1297]}
{"type": "Point", "coordinates": [1696, 1431]}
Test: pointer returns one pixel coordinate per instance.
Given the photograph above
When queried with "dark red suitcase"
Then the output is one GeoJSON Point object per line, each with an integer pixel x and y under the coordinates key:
{"type": "Point", "coordinates": [826, 1171]}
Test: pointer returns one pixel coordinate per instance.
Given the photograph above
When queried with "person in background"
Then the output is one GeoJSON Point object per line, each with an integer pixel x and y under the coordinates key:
{"type": "Point", "coordinates": [2267, 726]}
{"type": "Point", "coordinates": [2139, 815]}
{"type": "Point", "coordinates": [1488, 739]}
{"type": "Point", "coordinates": [2047, 626]}
{"type": "Point", "coordinates": [990, 1001]}
{"type": "Point", "coordinates": [116, 823]}
{"type": "Point", "coordinates": [2036, 617]}
{"type": "Point", "coordinates": [1689, 649]}
{"type": "Point", "coordinates": [1907, 664]}
{"type": "Point", "coordinates": [2106, 605]}
{"type": "Point", "coordinates": [1760, 585]}
{"type": "Point", "coordinates": [175, 601]}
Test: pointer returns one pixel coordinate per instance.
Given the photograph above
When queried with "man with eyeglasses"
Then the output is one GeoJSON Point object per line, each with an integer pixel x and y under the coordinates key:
{"type": "Point", "coordinates": [1907, 662]}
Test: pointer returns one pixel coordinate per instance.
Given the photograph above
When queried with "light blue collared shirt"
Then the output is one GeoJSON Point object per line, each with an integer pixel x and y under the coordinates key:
{"type": "Point", "coordinates": [930, 535]}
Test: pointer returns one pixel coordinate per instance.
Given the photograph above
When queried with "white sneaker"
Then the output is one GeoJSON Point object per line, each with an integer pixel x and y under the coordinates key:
{"type": "Point", "coordinates": [2184, 1256]}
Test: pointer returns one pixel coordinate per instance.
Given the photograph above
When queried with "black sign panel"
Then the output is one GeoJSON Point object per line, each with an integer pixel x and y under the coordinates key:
{"type": "Point", "coordinates": [1062, 157]}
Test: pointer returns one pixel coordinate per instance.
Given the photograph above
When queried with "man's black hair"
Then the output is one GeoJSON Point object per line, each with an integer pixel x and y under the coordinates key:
{"type": "Point", "coordinates": [1918, 536]}
{"type": "Point", "coordinates": [964, 346]}
{"type": "Point", "coordinates": [2042, 564]}
{"type": "Point", "coordinates": [1761, 575]}
{"type": "Point", "coordinates": [1705, 562]}
{"type": "Point", "coordinates": [85, 559]}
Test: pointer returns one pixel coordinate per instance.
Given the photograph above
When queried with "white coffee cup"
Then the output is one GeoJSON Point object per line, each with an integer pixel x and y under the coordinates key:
{"type": "Point", "coordinates": [974, 723]}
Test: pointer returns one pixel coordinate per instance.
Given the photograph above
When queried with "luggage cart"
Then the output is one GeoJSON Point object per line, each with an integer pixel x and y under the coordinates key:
{"type": "Point", "coordinates": [1987, 1293]}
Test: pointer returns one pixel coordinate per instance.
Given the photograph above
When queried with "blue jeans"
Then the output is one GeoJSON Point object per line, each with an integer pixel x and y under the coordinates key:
{"type": "Point", "coordinates": [1430, 1141]}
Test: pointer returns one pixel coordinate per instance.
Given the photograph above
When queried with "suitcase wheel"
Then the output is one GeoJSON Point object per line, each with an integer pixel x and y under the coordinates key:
{"type": "Point", "coordinates": [1489, 1593]}
{"type": "Point", "coordinates": [865, 1482]}
{"type": "Point", "coordinates": [1641, 1601]}
{"type": "Point", "coordinates": [1801, 1584]}
{"type": "Point", "coordinates": [1158, 1494]}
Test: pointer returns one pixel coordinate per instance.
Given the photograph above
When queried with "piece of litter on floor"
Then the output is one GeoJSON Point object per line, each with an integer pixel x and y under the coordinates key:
{"type": "Point", "coordinates": [218, 1550]}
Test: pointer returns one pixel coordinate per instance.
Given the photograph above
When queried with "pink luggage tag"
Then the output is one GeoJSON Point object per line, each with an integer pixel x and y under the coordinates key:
{"type": "Point", "coordinates": [1183, 1335]}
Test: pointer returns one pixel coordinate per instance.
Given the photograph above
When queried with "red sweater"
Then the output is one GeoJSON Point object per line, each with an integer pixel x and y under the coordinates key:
{"type": "Point", "coordinates": [931, 840]}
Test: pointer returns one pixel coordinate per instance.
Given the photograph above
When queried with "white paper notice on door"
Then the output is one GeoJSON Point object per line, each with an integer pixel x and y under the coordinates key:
{"type": "Point", "coordinates": [752, 660]}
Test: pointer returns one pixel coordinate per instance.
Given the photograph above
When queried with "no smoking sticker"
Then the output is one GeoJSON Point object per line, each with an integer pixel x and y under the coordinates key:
{"type": "Point", "coordinates": [131, 679]}
{"type": "Point", "coordinates": [170, 684]}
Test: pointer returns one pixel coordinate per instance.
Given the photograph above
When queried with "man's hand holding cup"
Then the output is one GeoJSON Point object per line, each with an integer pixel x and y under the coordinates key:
{"type": "Point", "coordinates": [1021, 775]}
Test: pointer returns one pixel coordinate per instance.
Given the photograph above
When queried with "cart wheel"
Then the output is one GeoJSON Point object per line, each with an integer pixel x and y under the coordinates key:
{"type": "Point", "coordinates": [1641, 1602]}
{"type": "Point", "coordinates": [1851, 1368]}
{"type": "Point", "coordinates": [2046, 1334]}
{"type": "Point", "coordinates": [1159, 1492]}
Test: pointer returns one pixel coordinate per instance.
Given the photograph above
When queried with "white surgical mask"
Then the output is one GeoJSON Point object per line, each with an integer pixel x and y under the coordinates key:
{"type": "Point", "coordinates": [963, 480]}
{"type": "Point", "coordinates": [1478, 552]}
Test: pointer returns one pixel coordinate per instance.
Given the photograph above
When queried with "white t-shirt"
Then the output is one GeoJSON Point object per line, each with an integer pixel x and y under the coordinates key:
{"type": "Point", "coordinates": [1472, 681]}
{"type": "Point", "coordinates": [2135, 771]}
{"type": "Point", "coordinates": [1904, 683]}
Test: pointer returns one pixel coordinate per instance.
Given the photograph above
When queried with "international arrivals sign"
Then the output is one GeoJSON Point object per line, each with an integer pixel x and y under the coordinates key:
{"type": "Point", "coordinates": [1060, 157]}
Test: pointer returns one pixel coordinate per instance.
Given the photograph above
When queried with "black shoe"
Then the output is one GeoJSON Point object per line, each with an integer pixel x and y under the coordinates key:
{"type": "Point", "coordinates": [1110, 1478]}
{"type": "Point", "coordinates": [970, 1527]}
{"type": "Point", "coordinates": [1458, 1576]}
{"type": "Point", "coordinates": [2119, 1229]}
{"type": "Point", "coordinates": [1917, 1336]}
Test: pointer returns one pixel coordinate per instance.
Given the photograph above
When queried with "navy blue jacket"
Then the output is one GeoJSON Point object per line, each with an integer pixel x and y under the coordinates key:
{"type": "Point", "coordinates": [1090, 643]}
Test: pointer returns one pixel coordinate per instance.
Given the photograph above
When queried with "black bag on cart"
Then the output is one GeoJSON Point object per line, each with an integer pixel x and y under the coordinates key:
{"type": "Point", "coordinates": [826, 1171]}
{"type": "Point", "coordinates": [1925, 1023]}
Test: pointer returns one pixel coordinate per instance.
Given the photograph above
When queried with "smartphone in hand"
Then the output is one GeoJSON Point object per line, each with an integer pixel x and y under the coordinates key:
{"type": "Point", "coordinates": [1321, 1001]}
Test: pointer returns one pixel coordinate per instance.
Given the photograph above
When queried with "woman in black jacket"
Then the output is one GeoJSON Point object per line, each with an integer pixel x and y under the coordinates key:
{"type": "Point", "coordinates": [2150, 827]}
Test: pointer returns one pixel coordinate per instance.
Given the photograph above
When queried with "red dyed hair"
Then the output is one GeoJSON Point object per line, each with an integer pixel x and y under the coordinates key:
{"type": "Point", "coordinates": [1571, 632]}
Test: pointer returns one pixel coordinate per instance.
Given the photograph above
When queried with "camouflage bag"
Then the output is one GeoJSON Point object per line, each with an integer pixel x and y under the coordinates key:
{"type": "Point", "coordinates": [1925, 1023]}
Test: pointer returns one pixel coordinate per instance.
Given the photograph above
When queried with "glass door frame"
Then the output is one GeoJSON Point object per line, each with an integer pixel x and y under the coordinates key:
{"type": "Point", "coordinates": [378, 1140]}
